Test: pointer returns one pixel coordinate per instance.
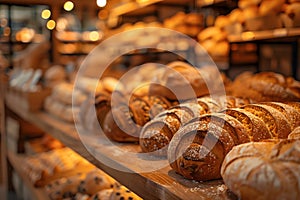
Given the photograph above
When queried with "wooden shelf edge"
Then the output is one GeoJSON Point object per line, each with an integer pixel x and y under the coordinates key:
{"type": "Point", "coordinates": [252, 36]}
{"type": "Point", "coordinates": [16, 162]}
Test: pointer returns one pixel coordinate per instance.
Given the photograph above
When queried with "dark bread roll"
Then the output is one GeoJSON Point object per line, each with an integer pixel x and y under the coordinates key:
{"type": "Point", "coordinates": [252, 122]}
{"type": "Point", "coordinates": [124, 122]}
{"type": "Point", "coordinates": [102, 106]}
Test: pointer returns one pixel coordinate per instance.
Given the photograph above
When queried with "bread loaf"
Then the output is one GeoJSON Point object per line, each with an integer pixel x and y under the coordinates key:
{"type": "Point", "coordinates": [182, 81]}
{"type": "Point", "coordinates": [124, 122]}
{"type": "Point", "coordinates": [266, 86]}
{"type": "Point", "coordinates": [95, 181]}
{"type": "Point", "coordinates": [117, 192]}
{"type": "Point", "coordinates": [263, 170]}
{"type": "Point", "coordinates": [157, 133]}
{"type": "Point", "coordinates": [198, 148]}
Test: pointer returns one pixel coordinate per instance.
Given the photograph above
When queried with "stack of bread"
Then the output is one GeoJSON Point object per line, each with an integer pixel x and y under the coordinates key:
{"type": "Point", "coordinates": [43, 167]}
{"type": "Point", "coordinates": [188, 23]}
{"type": "Point", "coordinates": [261, 14]}
{"type": "Point", "coordinates": [291, 14]}
{"type": "Point", "coordinates": [214, 39]}
{"type": "Point", "coordinates": [59, 103]}
{"type": "Point", "coordinates": [90, 185]}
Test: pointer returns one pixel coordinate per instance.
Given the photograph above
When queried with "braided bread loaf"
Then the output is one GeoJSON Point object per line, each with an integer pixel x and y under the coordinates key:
{"type": "Point", "coordinates": [264, 170]}
{"type": "Point", "coordinates": [198, 149]}
{"type": "Point", "coordinates": [266, 86]}
{"type": "Point", "coordinates": [157, 133]}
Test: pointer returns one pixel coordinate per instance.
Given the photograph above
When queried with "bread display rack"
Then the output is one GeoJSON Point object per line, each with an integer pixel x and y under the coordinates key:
{"type": "Point", "coordinates": [161, 184]}
{"type": "Point", "coordinates": [281, 36]}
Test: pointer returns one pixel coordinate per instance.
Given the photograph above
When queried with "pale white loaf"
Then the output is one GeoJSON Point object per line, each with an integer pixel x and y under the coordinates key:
{"type": "Point", "coordinates": [264, 170]}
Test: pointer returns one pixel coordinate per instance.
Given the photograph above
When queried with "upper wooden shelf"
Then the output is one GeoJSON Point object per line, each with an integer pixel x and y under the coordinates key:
{"type": "Point", "coordinates": [140, 7]}
{"type": "Point", "coordinates": [163, 183]}
{"type": "Point", "coordinates": [282, 33]}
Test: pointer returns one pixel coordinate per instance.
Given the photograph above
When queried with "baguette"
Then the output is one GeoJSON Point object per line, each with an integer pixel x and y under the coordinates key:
{"type": "Point", "coordinates": [157, 133]}
{"type": "Point", "coordinates": [264, 170]}
{"type": "Point", "coordinates": [253, 123]}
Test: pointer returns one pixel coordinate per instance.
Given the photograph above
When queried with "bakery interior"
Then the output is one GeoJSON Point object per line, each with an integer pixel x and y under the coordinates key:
{"type": "Point", "coordinates": [149, 99]}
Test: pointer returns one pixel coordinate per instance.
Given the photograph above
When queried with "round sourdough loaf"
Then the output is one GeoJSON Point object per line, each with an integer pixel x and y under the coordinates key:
{"type": "Point", "coordinates": [264, 170]}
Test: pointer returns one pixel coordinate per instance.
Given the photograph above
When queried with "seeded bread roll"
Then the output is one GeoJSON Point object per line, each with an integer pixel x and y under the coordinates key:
{"type": "Point", "coordinates": [64, 187]}
{"type": "Point", "coordinates": [198, 148]}
{"type": "Point", "coordinates": [102, 195]}
{"type": "Point", "coordinates": [266, 86]}
{"type": "Point", "coordinates": [157, 133]}
{"type": "Point", "coordinates": [95, 181]}
{"type": "Point", "coordinates": [121, 192]}
{"type": "Point", "coordinates": [263, 170]}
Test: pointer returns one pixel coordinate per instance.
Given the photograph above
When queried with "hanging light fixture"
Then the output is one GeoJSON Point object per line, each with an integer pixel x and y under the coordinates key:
{"type": "Point", "coordinates": [101, 3]}
{"type": "Point", "coordinates": [46, 14]}
{"type": "Point", "coordinates": [68, 5]}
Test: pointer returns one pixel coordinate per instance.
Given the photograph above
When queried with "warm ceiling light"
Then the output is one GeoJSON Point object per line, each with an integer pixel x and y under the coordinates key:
{"type": "Point", "coordinates": [101, 3]}
{"type": "Point", "coordinates": [51, 24]}
{"type": "Point", "coordinates": [46, 14]}
{"type": "Point", "coordinates": [94, 36]}
{"type": "Point", "coordinates": [69, 5]}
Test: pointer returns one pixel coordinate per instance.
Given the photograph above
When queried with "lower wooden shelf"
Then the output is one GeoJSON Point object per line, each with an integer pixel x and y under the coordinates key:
{"type": "Point", "coordinates": [16, 162]}
{"type": "Point", "coordinates": [121, 162]}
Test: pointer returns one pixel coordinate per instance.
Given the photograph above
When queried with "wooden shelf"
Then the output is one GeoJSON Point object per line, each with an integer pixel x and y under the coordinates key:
{"type": "Point", "coordinates": [135, 8]}
{"type": "Point", "coordinates": [16, 162]}
{"type": "Point", "coordinates": [250, 36]}
{"type": "Point", "coordinates": [160, 184]}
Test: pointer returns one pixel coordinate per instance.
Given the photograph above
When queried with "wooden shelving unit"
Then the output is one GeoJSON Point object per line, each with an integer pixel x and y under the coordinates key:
{"type": "Point", "coordinates": [16, 162]}
{"type": "Point", "coordinates": [283, 36]}
{"type": "Point", "coordinates": [163, 183]}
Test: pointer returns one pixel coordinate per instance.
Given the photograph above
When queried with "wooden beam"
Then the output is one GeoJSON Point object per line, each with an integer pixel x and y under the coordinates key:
{"type": "Point", "coordinates": [48, 2]}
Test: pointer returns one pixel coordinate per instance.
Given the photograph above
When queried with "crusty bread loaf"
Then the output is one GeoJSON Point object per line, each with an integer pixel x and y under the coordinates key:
{"type": "Point", "coordinates": [157, 133]}
{"type": "Point", "coordinates": [209, 145]}
{"type": "Point", "coordinates": [264, 170]}
{"type": "Point", "coordinates": [266, 86]}
{"type": "Point", "coordinates": [182, 81]}
{"type": "Point", "coordinates": [124, 122]}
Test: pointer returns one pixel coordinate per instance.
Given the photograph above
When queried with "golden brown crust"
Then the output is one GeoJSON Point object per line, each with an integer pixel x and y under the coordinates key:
{"type": "Point", "coordinates": [263, 170]}
{"type": "Point", "coordinates": [266, 86]}
{"type": "Point", "coordinates": [252, 122]}
{"type": "Point", "coordinates": [121, 128]}
{"type": "Point", "coordinates": [182, 81]}
{"type": "Point", "coordinates": [154, 137]}
{"type": "Point", "coordinates": [274, 120]}
{"type": "Point", "coordinates": [295, 134]}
